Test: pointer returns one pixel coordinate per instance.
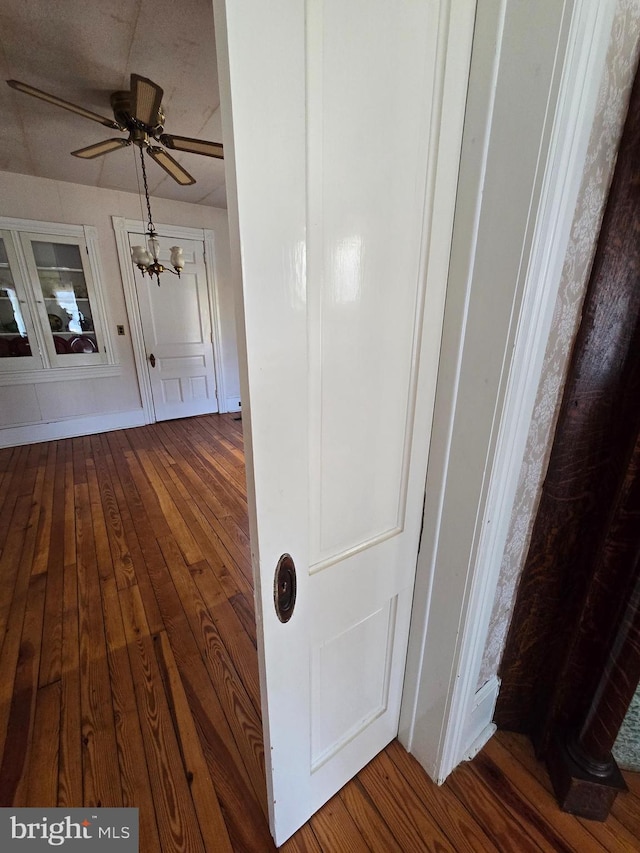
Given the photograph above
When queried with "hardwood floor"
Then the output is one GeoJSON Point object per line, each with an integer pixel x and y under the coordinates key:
{"type": "Point", "coordinates": [129, 671]}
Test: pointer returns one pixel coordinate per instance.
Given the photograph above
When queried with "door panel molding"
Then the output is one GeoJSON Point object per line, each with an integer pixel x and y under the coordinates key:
{"type": "Point", "coordinates": [372, 364]}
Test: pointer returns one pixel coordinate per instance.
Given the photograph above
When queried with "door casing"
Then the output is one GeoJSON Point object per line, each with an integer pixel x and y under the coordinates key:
{"type": "Point", "coordinates": [122, 228]}
{"type": "Point", "coordinates": [492, 360]}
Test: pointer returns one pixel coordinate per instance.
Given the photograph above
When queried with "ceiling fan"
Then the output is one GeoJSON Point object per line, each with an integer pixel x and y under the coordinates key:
{"type": "Point", "coordinates": [138, 112]}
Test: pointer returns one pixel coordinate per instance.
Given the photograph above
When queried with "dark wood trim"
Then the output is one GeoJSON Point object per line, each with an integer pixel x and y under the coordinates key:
{"type": "Point", "coordinates": [581, 765]}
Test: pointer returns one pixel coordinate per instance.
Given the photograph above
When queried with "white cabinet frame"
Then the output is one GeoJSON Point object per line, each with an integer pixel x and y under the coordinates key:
{"type": "Point", "coordinates": [50, 369]}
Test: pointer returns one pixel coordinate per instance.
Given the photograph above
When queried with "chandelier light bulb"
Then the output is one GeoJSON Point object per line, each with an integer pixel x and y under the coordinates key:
{"type": "Point", "coordinates": [137, 253]}
{"type": "Point", "coordinates": [177, 260]}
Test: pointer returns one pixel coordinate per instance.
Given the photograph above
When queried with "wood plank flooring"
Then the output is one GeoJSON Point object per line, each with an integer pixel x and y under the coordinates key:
{"type": "Point", "coordinates": [129, 669]}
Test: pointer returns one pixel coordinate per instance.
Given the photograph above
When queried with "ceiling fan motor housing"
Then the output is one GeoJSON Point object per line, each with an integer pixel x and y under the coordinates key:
{"type": "Point", "coordinates": [121, 106]}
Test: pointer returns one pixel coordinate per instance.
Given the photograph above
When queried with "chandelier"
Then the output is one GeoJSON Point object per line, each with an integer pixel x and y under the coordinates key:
{"type": "Point", "coordinates": [146, 259]}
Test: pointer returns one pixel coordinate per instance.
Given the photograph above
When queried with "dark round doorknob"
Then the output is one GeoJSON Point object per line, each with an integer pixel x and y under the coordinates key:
{"type": "Point", "coordinates": [285, 588]}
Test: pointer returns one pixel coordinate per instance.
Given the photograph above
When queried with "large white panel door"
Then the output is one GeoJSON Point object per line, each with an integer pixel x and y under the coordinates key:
{"type": "Point", "coordinates": [347, 123]}
{"type": "Point", "coordinates": [176, 326]}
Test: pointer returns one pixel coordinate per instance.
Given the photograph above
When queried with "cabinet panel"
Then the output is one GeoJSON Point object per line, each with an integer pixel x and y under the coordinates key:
{"type": "Point", "coordinates": [52, 314]}
{"type": "Point", "coordinates": [64, 298]}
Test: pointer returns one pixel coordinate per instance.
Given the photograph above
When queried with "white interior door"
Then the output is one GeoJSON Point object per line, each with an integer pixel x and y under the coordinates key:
{"type": "Point", "coordinates": [176, 325]}
{"type": "Point", "coordinates": [346, 131]}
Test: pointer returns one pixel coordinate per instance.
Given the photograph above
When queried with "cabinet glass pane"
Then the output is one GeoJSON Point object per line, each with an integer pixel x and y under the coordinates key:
{"type": "Point", "coordinates": [14, 342]}
{"type": "Point", "coordinates": [66, 297]}
{"type": "Point", "coordinates": [57, 255]}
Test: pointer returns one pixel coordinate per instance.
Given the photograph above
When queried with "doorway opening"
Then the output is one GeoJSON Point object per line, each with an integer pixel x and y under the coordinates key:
{"type": "Point", "coordinates": [176, 327]}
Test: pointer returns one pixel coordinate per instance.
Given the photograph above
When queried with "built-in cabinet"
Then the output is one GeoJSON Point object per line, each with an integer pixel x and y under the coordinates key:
{"type": "Point", "coordinates": [52, 314]}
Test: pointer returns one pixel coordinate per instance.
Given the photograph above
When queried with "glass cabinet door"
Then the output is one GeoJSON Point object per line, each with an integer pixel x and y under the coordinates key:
{"type": "Point", "coordinates": [64, 299]}
{"type": "Point", "coordinates": [17, 339]}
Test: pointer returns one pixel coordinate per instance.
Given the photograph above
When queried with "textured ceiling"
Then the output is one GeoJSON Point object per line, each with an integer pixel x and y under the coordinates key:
{"type": "Point", "coordinates": [82, 51]}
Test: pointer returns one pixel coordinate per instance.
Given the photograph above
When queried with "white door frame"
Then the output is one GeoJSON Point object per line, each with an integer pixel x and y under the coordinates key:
{"type": "Point", "coordinates": [122, 228]}
{"type": "Point", "coordinates": [446, 715]}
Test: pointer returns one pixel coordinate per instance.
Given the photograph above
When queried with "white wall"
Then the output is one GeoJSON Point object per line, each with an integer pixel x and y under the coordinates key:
{"type": "Point", "coordinates": [70, 408]}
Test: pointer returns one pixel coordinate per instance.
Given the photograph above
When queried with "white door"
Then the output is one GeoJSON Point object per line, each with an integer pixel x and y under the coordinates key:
{"type": "Point", "coordinates": [176, 326]}
{"type": "Point", "coordinates": [346, 131]}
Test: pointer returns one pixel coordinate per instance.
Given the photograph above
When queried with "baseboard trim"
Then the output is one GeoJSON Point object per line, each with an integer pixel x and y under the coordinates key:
{"type": "Point", "coordinates": [52, 430]}
{"type": "Point", "coordinates": [485, 735]}
{"type": "Point", "coordinates": [232, 404]}
{"type": "Point", "coordinates": [479, 725]}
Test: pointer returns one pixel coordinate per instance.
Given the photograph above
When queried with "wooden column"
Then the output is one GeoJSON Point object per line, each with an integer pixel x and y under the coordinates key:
{"type": "Point", "coordinates": [595, 740]}
{"type": "Point", "coordinates": [584, 774]}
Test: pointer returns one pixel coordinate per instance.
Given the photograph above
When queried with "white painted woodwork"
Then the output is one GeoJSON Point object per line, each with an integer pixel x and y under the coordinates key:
{"type": "Point", "coordinates": [343, 127]}
{"type": "Point", "coordinates": [176, 325]}
{"type": "Point", "coordinates": [221, 284]}
{"type": "Point", "coordinates": [46, 365]}
{"type": "Point", "coordinates": [29, 433]}
{"type": "Point", "coordinates": [530, 110]}
{"type": "Point", "coordinates": [41, 306]}
{"type": "Point", "coordinates": [18, 275]}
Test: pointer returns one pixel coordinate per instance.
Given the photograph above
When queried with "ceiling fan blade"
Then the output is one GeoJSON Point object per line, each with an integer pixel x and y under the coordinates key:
{"type": "Point", "coordinates": [146, 100]}
{"type": "Point", "coordinates": [170, 165]}
{"type": "Point", "coordinates": [100, 148]}
{"type": "Point", "coordinates": [195, 146]}
{"type": "Point", "coordinates": [59, 102]}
